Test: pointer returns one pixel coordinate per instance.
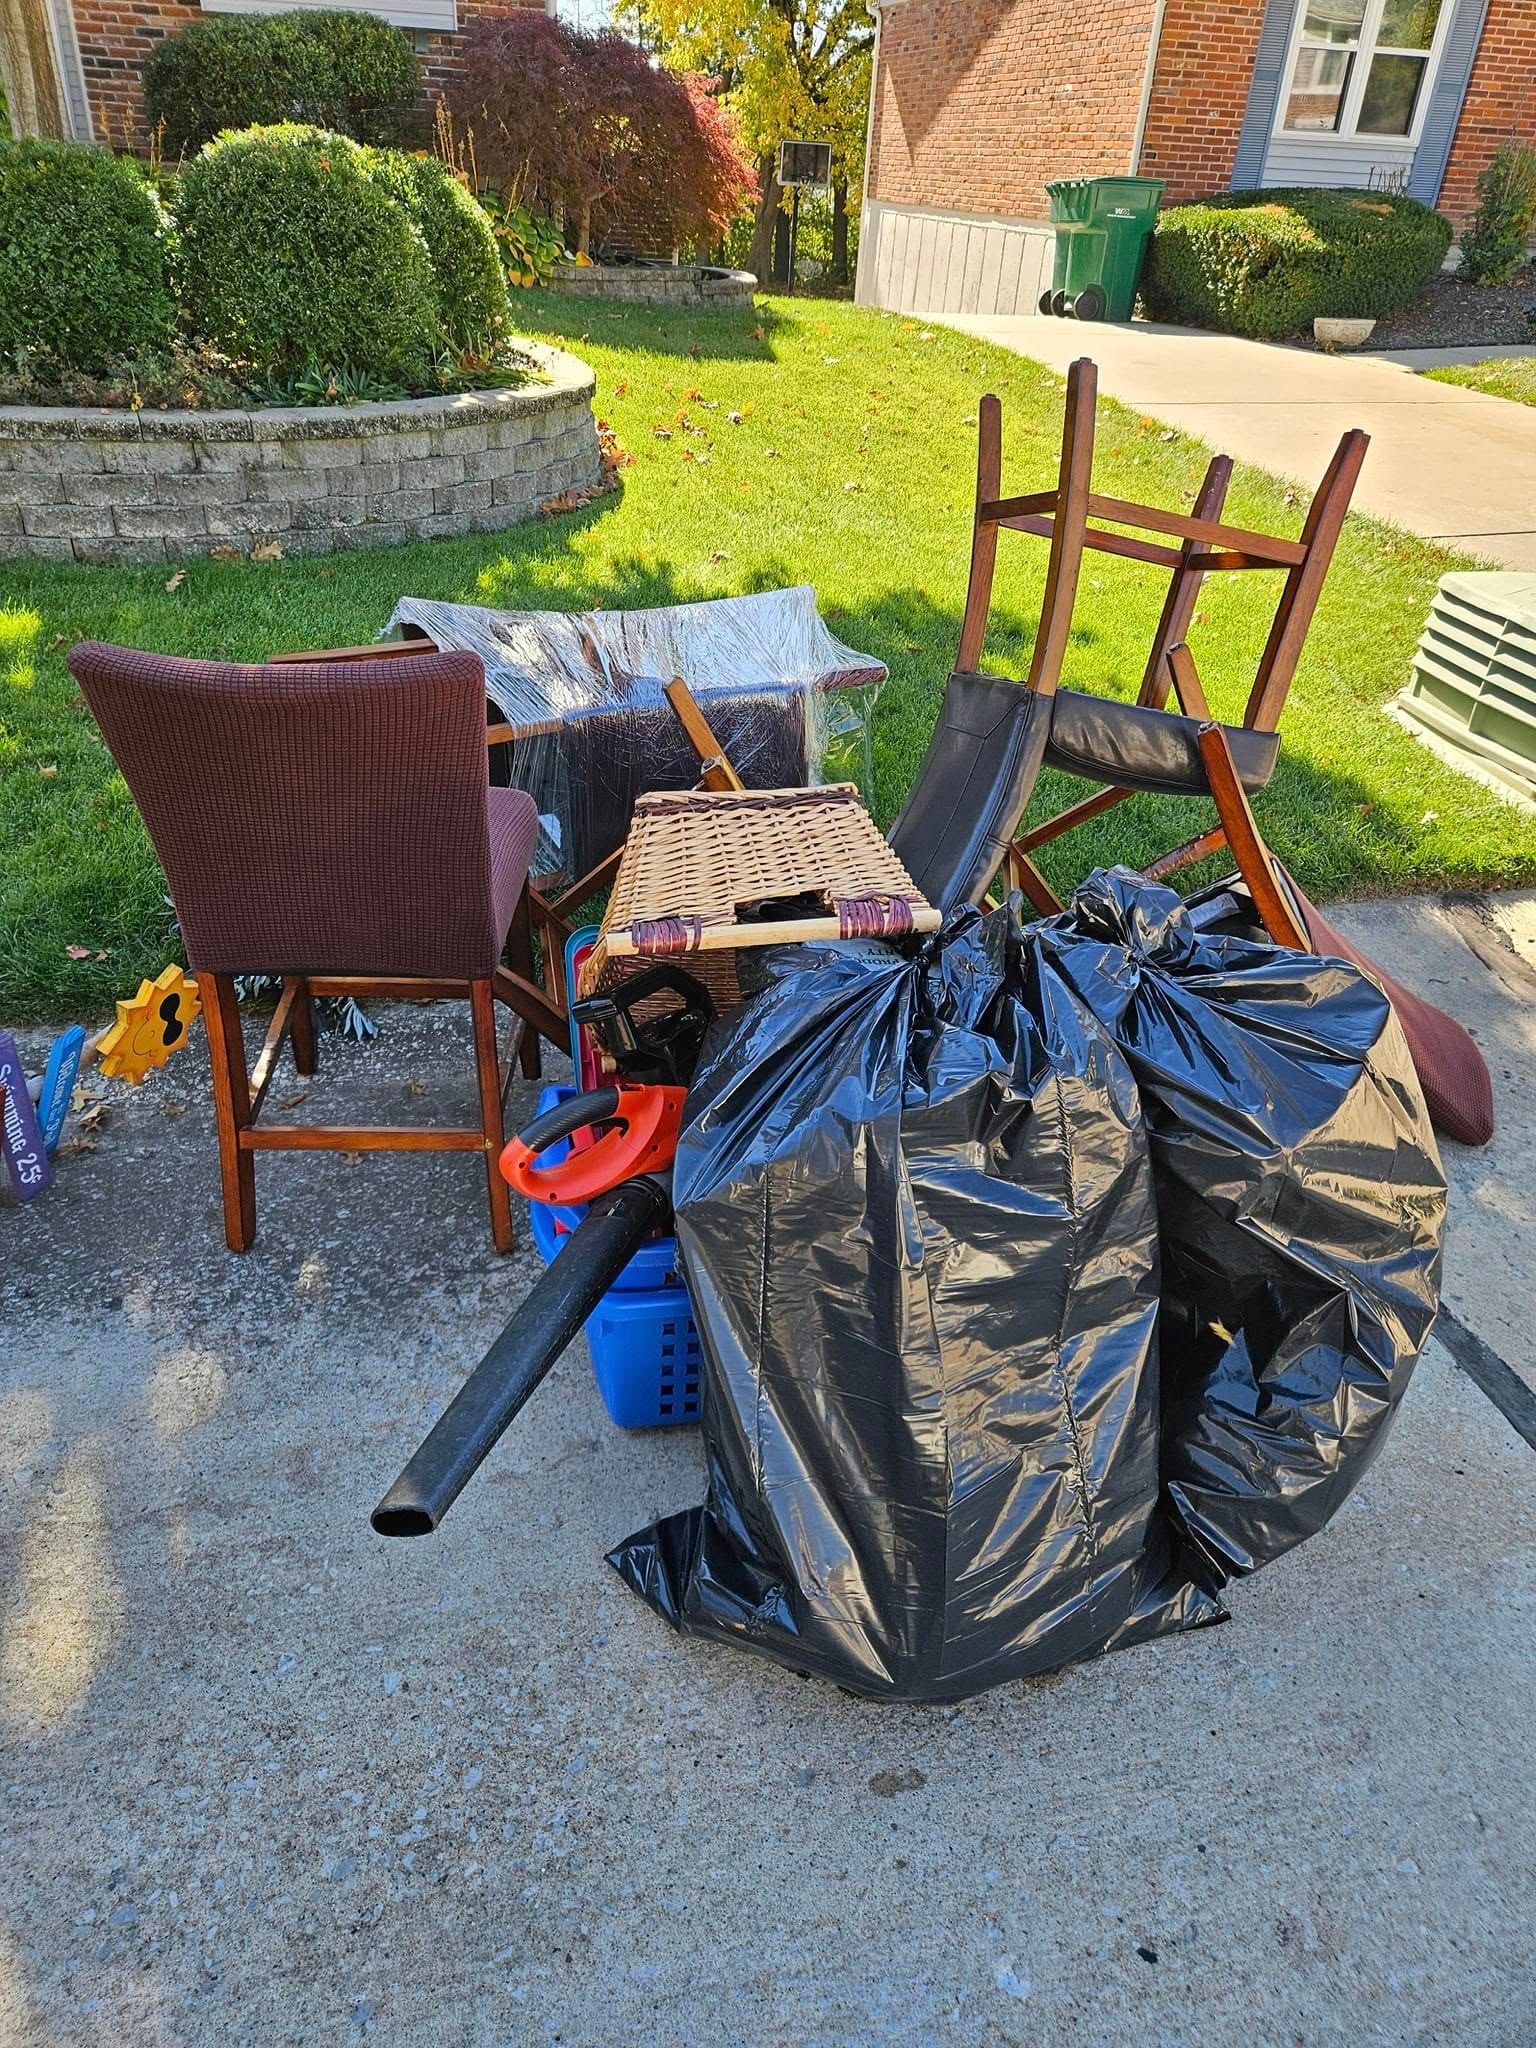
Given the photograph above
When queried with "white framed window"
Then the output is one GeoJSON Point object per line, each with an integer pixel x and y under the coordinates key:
{"type": "Point", "coordinates": [438, 15]}
{"type": "Point", "coordinates": [1362, 68]}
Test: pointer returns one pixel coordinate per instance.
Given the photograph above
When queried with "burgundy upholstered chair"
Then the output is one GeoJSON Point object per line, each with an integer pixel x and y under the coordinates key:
{"type": "Point", "coordinates": [331, 825]}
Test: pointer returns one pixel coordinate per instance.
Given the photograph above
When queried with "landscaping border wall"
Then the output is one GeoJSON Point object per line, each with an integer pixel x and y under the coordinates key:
{"type": "Point", "coordinates": [656, 284]}
{"type": "Point", "coordinates": [84, 485]}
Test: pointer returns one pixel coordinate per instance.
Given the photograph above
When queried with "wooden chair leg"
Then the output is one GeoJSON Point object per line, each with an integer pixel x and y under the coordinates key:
{"type": "Point", "coordinates": [1023, 874]}
{"type": "Point", "coordinates": [301, 1029]}
{"type": "Point", "coordinates": [520, 947]}
{"type": "Point", "coordinates": [1253, 857]}
{"type": "Point", "coordinates": [482, 1009]}
{"type": "Point", "coordinates": [989, 486]}
{"type": "Point", "coordinates": [231, 1107]}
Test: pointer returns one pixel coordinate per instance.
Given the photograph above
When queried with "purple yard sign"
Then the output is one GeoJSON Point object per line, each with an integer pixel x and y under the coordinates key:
{"type": "Point", "coordinates": [25, 1153]}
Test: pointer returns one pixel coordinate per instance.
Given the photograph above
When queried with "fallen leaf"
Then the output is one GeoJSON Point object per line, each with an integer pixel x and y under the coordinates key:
{"type": "Point", "coordinates": [621, 390]}
{"type": "Point", "coordinates": [415, 1088]}
{"type": "Point", "coordinates": [174, 1107]}
{"type": "Point", "coordinates": [853, 487]}
{"type": "Point", "coordinates": [720, 555]}
{"type": "Point", "coordinates": [1169, 434]}
{"type": "Point", "coordinates": [759, 334]}
{"type": "Point", "coordinates": [662, 433]}
{"type": "Point", "coordinates": [772, 454]}
{"type": "Point", "coordinates": [736, 419]}
{"type": "Point", "coordinates": [294, 1100]}
{"type": "Point", "coordinates": [92, 1119]}
{"type": "Point", "coordinates": [175, 582]}
{"type": "Point", "coordinates": [48, 770]}
{"type": "Point", "coordinates": [267, 551]}
{"type": "Point", "coordinates": [224, 553]}
{"type": "Point", "coordinates": [78, 952]}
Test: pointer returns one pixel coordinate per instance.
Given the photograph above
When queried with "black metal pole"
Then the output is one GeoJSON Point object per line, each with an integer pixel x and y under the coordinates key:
{"type": "Point", "coordinates": [794, 237]}
{"type": "Point", "coordinates": [543, 1324]}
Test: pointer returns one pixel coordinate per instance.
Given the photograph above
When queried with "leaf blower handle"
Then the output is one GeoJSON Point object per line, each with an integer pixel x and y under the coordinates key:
{"type": "Point", "coordinates": [647, 1120]}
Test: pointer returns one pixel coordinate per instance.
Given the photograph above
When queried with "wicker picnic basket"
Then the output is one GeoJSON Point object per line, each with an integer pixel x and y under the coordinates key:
{"type": "Point", "coordinates": [709, 874]}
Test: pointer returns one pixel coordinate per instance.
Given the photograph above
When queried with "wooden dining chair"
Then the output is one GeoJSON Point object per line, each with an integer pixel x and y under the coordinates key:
{"type": "Point", "coordinates": [1096, 736]}
{"type": "Point", "coordinates": [330, 824]}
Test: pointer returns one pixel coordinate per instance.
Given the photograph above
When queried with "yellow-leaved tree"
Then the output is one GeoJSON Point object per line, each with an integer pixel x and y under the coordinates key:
{"type": "Point", "coordinates": [791, 71]}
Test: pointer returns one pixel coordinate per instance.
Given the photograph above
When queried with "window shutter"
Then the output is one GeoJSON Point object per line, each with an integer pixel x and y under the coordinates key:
{"type": "Point", "coordinates": [1264, 93]}
{"type": "Point", "coordinates": [1445, 98]}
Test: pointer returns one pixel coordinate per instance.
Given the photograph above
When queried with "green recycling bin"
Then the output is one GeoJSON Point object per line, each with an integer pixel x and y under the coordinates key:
{"type": "Point", "coordinates": [1102, 229]}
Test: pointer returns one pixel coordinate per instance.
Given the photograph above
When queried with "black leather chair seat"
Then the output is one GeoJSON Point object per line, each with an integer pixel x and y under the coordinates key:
{"type": "Point", "coordinates": [1137, 747]}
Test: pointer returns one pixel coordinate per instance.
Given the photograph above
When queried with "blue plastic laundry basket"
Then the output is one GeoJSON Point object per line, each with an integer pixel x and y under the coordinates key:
{"type": "Point", "coordinates": [644, 1346]}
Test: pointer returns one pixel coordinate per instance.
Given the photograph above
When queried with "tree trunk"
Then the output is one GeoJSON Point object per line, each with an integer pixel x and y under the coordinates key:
{"type": "Point", "coordinates": [760, 260]}
{"type": "Point", "coordinates": [33, 90]}
{"type": "Point", "coordinates": [583, 227]}
{"type": "Point", "coordinates": [840, 231]}
{"type": "Point", "coordinates": [781, 248]}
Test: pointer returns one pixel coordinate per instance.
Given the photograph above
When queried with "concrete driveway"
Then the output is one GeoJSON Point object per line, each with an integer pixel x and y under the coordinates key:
{"type": "Point", "coordinates": [1455, 465]}
{"type": "Point", "coordinates": [268, 1780]}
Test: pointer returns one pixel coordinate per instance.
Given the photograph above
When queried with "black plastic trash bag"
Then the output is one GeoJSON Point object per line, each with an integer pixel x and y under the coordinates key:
{"type": "Point", "coordinates": [939, 1225]}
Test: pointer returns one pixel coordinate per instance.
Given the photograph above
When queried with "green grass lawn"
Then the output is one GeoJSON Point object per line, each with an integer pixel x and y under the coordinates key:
{"type": "Point", "coordinates": [1501, 377]}
{"type": "Point", "coordinates": [850, 468]}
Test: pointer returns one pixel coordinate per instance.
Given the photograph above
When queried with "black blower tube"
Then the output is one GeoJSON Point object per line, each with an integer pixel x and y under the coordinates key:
{"type": "Point", "coordinates": [545, 1321]}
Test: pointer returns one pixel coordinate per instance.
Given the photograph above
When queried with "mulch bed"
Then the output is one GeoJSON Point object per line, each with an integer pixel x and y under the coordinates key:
{"type": "Point", "coordinates": [1456, 315]}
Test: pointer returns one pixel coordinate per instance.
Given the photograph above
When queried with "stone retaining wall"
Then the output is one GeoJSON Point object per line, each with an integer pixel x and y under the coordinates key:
{"type": "Point", "coordinates": [82, 485]}
{"type": "Point", "coordinates": [641, 284]}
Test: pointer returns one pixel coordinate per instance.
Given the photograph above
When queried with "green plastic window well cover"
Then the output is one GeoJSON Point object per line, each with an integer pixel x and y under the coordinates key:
{"type": "Point", "coordinates": [1472, 694]}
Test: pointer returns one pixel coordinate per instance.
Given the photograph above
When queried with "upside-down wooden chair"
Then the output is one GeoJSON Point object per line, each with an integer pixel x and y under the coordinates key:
{"type": "Point", "coordinates": [331, 824]}
{"type": "Point", "coordinates": [1129, 747]}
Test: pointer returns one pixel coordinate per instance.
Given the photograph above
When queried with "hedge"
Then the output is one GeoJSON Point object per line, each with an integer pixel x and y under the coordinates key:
{"type": "Point", "coordinates": [293, 252]}
{"type": "Point", "coordinates": [471, 287]}
{"type": "Point", "coordinates": [82, 254]}
{"type": "Point", "coordinates": [1267, 263]}
{"type": "Point", "coordinates": [349, 73]}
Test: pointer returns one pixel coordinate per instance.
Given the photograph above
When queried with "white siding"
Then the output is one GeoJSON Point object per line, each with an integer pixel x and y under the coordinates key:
{"type": "Point", "coordinates": [915, 260]}
{"type": "Point", "coordinates": [442, 15]}
{"type": "Point", "coordinates": [1319, 160]}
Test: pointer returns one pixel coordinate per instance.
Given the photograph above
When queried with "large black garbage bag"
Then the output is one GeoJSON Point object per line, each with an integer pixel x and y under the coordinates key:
{"type": "Point", "coordinates": [925, 1207]}
{"type": "Point", "coordinates": [1301, 1202]}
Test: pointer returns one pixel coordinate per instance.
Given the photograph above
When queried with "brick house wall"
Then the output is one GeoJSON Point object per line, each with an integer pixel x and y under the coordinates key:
{"type": "Point", "coordinates": [1199, 92]}
{"type": "Point", "coordinates": [116, 36]}
{"type": "Point", "coordinates": [979, 102]}
{"type": "Point", "coordinates": [1500, 104]}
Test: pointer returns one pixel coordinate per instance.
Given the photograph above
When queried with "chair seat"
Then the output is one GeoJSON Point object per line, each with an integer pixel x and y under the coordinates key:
{"type": "Point", "coordinates": [514, 822]}
{"type": "Point", "coordinates": [1135, 746]}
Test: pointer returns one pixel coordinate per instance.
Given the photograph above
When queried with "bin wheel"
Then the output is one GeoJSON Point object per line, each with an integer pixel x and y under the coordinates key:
{"type": "Point", "coordinates": [1089, 303]}
{"type": "Point", "coordinates": [1047, 301]}
{"type": "Point", "coordinates": [1059, 304]}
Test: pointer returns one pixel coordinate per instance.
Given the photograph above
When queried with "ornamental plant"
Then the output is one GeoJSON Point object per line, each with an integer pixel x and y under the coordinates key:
{"type": "Point", "coordinates": [347, 72]}
{"type": "Point", "coordinates": [294, 251]}
{"type": "Point", "coordinates": [83, 244]}
{"type": "Point", "coordinates": [471, 292]}
{"type": "Point", "coordinates": [1267, 263]}
{"type": "Point", "coordinates": [584, 124]}
{"type": "Point", "coordinates": [1495, 247]}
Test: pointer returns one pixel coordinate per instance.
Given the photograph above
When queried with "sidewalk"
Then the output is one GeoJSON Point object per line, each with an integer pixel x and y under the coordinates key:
{"type": "Point", "coordinates": [268, 1781]}
{"type": "Point", "coordinates": [1452, 464]}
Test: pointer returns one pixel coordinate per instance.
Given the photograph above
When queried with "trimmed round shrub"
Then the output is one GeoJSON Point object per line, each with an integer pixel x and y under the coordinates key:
{"type": "Point", "coordinates": [472, 309]}
{"type": "Point", "coordinates": [82, 254]}
{"type": "Point", "coordinates": [351, 73]}
{"type": "Point", "coordinates": [292, 252]}
{"type": "Point", "coordinates": [1267, 263]}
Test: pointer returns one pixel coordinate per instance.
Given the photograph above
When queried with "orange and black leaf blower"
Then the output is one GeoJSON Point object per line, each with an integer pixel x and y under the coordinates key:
{"type": "Point", "coordinates": [625, 1178]}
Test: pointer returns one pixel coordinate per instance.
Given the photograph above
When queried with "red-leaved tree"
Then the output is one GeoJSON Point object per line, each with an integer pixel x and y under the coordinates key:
{"type": "Point", "coordinates": [585, 124]}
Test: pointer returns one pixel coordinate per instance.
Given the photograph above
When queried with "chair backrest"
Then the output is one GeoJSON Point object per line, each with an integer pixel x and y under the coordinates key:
{"type": "Point", "coordinates": [1207, 546]}
{"type": "Point", "coordinates": [310, 819]}
{"type": "Point", "coordinates": [975, 780]}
